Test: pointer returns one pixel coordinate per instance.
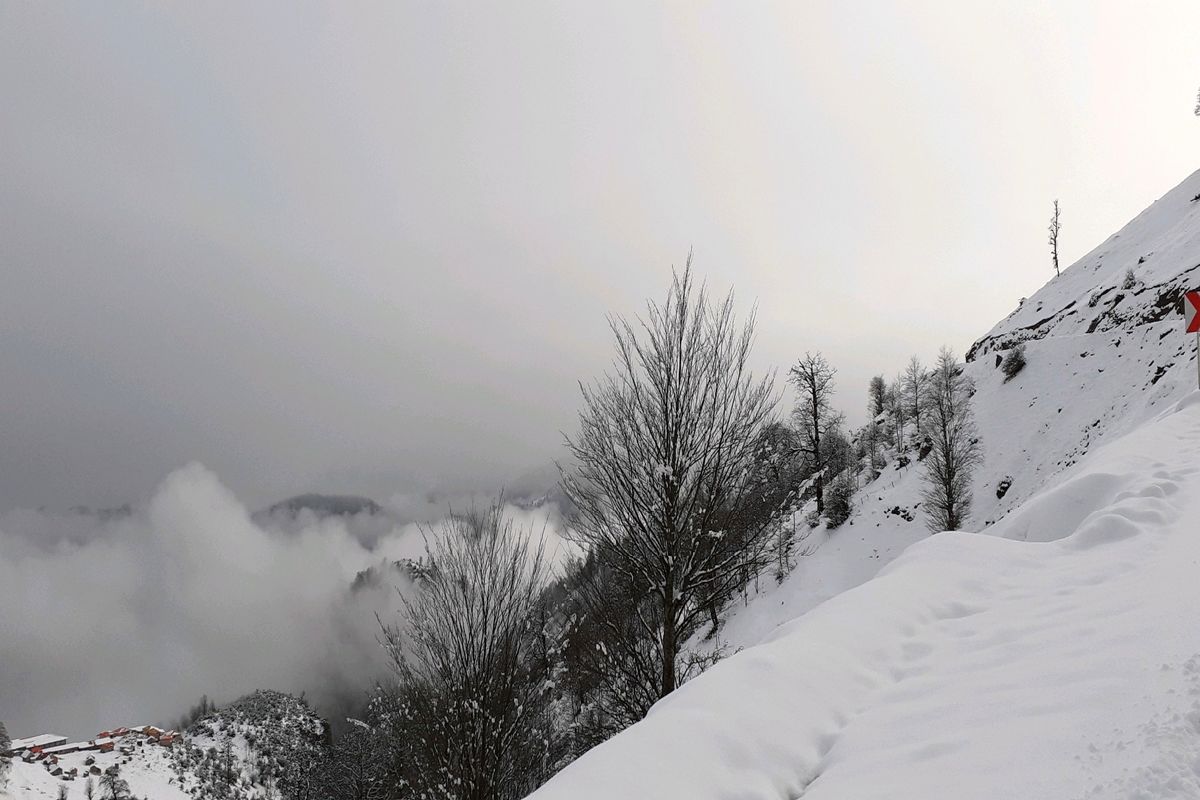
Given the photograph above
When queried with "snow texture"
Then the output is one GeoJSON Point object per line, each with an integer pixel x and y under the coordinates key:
{"type": "Point", "coordinates": [1052, 653]}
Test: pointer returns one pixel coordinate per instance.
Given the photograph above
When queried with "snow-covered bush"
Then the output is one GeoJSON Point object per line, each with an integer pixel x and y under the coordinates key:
{"type": "Point", "coordinates": [839, 500]}
{"type": "Point", "coordinates": [1014, 362]}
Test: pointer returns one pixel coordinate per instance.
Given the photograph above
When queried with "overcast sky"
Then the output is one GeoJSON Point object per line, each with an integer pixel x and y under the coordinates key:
{"type": "Point", "coordinates": [370, 248]}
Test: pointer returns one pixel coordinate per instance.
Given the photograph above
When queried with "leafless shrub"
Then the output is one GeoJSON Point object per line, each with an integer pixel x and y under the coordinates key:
{"type": "Point", "coordinates": [466, 715]}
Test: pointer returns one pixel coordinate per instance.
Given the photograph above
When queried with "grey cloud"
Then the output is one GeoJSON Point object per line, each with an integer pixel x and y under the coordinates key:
{"type": "Point", "coordinates": [115, 616]}
{"type": "Point", "coordinates": [369, 248]}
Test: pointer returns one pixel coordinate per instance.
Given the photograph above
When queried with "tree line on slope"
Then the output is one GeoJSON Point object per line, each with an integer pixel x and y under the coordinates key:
{"type": "Point", "coordinates": [686, 486]}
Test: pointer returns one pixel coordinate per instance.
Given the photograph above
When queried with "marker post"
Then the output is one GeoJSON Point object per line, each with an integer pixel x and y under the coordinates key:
{"type": "Point", "coordinates": [1191, 312]}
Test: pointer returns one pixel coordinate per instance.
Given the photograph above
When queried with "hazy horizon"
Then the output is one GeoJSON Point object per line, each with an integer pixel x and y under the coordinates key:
{"type": "Point", "coordinates": [370, 249]}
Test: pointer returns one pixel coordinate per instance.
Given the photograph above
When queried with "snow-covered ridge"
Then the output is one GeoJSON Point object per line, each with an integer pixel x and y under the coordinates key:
{"type": "Point", "coordinates": [1047, 659]}
{"type": "Point", "coordinates": [1160, 246]}
{"type": "Point", "coordinates": [1105, 347]}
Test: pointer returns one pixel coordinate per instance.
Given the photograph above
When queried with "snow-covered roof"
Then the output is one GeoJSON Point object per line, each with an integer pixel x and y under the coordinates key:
{"type": "Point", "coordinates": [42, 740]}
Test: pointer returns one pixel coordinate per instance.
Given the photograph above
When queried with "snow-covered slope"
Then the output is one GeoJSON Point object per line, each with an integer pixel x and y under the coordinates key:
{"type": "Point", "coordinates": [1050, 658]}
{"type": "Point", "coordinates": [1096, 370]}
{"type": "Point", "coordinates": [1105, 346]}
{"type": "Point", "coordinates": [246, 751]}
{"type": "Point", "coordinates": [149, 772]}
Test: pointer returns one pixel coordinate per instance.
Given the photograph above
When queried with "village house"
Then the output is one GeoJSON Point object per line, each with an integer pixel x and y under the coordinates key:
{"type": "Point", "coordinates": [47, 747]}
{"type": "Point", "coordinates": [34, 744]}
{"type": "Point", "coordinates": [63, 749]}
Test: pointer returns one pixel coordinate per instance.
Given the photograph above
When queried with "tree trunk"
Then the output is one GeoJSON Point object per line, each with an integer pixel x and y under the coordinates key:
{"type": "Point", "coordinates": [669, 643]}
{"type": "Point", "coordinates": [817, 449]}
{"type": "Point", "coordinates": [716, 623]}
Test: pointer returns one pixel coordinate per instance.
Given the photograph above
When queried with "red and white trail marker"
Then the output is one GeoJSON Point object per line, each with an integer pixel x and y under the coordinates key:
{"type": "Point", "coordinates": [1191, 310]}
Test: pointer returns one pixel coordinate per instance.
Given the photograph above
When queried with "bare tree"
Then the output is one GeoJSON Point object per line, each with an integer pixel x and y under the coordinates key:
{"type": "Point", "coordinates": [614, 665]}
{"type": "Point", "coordinates": [841, 463]}
{"type": "Point", "coordinates": [914, 383]}
{"type": "Point", "coordinates": [62, 791]}
{"type": "Point", "coordinates": [872, 440]}
{"type": "Point", "coordinates": [950, 426]}
{"type": "Point", "coordinates": [662, 464]}
{"type": "Point", "coordinates": [89, 789]}
{"type": "Point", "coordinates": [301, 780]}
{"type": "Point", "coordinates": [815, 418]}
{"type": "Point", "coordinates": [1197, 110]}
{"type": "Point", "coordinates": [898, 409]}
{"type": "Point", "coordinates": [464, 716]}
{"type": "Point", "coordinates": [113, 786]}
{"type": "Point", "coordinates": [356, 769]}
{"type": "Point", "coordinates": [777, 473]}
{"type": "Point", "coordinates": [1055, 227]}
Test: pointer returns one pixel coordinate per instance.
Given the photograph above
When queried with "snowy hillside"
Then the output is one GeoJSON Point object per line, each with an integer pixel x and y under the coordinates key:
{"type": "Point", "coordinates": [256, 748]}
{"type": "Point", "coordinates": [1055, 665]}
{"type": "Point", "coordinates": [1078, 390]}
{"type": "Point", "coordinates": [147, 769]}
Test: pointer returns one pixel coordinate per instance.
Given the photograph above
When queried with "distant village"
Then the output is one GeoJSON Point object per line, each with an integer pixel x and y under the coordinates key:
{"type": "Point", "coordinates": [48, 748]}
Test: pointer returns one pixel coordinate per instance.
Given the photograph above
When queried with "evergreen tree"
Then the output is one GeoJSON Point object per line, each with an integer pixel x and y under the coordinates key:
{"type": "Point", "coordinates": [877, 392]}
